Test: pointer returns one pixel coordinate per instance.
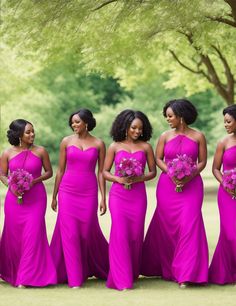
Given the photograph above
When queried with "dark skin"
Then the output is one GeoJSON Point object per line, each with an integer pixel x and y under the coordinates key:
{"type": "Point", "coordinates": [83, 140]}
{"type": "Point", "coordinates": [226, 143]}
{"type": "Point", "coordinates": [180, 127]}
{"type": "Point", "coordinates": [27, 143]}
{"type": "Point", "coordinates": [131, 144]}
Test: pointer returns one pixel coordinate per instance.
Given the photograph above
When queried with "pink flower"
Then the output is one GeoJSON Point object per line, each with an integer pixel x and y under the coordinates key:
{"type": "Point", "coordinates": [129, 167]}
{"type": "Point", "coordinates": [229, 180]}
{"type": "Point", "coordinates": [180, 167]}
{"type": "Point", "coordinates": [19, 181]}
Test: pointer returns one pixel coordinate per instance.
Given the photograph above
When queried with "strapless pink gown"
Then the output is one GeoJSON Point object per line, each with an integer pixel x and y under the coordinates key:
{"type": "Point", "coordinates": [175, 246]}
{"type": "Point", "coordinates": [128, 209]}
{"type": "Point", "coordinates": [25, 257]}
{"type": "Point", "coordinates": [78, 246]}
{"type": "Point", "coordinates": [223, 266]}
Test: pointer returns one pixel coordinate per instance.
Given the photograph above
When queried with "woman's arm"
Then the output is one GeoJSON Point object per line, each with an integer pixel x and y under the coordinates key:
{"type": "Point", "coordinates": [151, 167]}
{"type": "Point", "coordinates": [202, 154]}
{"type": "Point", "coordinates": [217, 161]}
{"type": "Point", "coordinates": [101, 180]}
{"type": "Point", "coordinates": [59, 174]}
{"type": "Point", "coordinates": [108, 165]}
{"type": "Point", "coordinates": [160, 153]}
{"type": "Point", "coordinates": [4, 168]}
{"type": "Point", "coordinates": [46, 166]}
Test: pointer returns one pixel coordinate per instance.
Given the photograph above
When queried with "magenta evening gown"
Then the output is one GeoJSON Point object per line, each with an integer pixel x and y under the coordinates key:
{"type": "Point", "coordinates": [78, 246]}
{"type": "Point", "coordinates": [175, 246]}
{"type": "Point", "coordinates": [25, 257]}
{"type": "Point", "coordinates": [223, 266]}
{"type": "Point", "coordinates": [128, 209]}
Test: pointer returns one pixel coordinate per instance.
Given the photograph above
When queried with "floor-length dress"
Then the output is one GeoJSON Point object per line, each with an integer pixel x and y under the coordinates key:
{"type": "Point", "coordinates": [25, 257]}
{"type": "Point", "coordinates": [223, 266]}
{"type": "Point", "coordinates": [175, 246]}
{"type": "Point", "coordinates": [128, 209]}
{"type": "Point", "coordinates": [78, 246]}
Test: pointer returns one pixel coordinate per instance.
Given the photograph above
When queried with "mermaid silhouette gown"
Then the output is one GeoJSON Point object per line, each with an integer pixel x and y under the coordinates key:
{"type": "Point", "coordinates": [128, 209]}
{"type": "Point", "coordinates": [223, 266]}
{"type": "Point", "coordinates": [25, 257]}
{"type": "Point", "coordinates": [78, 246]}
{"type": "Point", "coordinates": [175, 246]}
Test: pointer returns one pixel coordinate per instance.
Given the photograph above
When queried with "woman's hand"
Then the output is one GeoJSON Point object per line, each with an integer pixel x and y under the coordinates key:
{"type": "Point", "coordinates": [182, 182]}
{"type": "Point", "coordinates": [102, 207]}
{"type": "Point", "coordinates": [231, 192]}
{"type": "Point", "coordinates": [32, 183]}
{"type": "Point", "coordinates": [123, 180]}
{"type": "Point", "coordinates": [54, 205]}
{"type": "Point", "coordinates": [17, 194]}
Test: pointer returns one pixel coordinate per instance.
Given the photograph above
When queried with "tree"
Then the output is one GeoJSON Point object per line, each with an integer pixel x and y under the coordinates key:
{"type": "Point", "coordinates": [190, 40]}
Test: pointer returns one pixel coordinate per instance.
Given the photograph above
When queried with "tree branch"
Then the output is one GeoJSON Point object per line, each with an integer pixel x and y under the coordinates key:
{"type": "Point", "coordinates": [198, 71]}
{"type": "Point", "coordinates": [103, 4]}
{"type": "Point", "coordinates": [182, 64]}
{"type": "Point", "coordinates": [228, 73]}
{"type": "Point", "coordinates": [223, 20]}
{"type": "Point", "coordinates": [232, 4]}
{"type": "Point", "coordinates": [226, 93]}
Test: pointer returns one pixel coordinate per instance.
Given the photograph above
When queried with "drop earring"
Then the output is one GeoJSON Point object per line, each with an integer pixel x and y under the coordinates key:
{"type": "Point", "coordinates": [86, 127]}
{"type": "Point", "coordinates": [20, 142]}
{"type": "Point", "coordinates": [181, 121]}
{"type": "Point", "coordinates": [126, 134]}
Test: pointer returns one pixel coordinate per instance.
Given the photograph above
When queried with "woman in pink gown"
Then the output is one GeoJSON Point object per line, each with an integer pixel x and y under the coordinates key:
{"type": "Point", "coordinates": [25, 258]}
{"type": "Point", "coordinates": [175, 246]}
{"type": "Point", "coordinates": [223, 266]}
{"type": "Point", "coordinates": [130, 132]}
{"type": "Point", "coordinates": [78, 246]}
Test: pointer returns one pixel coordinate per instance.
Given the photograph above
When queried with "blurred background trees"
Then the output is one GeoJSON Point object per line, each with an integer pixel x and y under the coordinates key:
{"type": "Point", "coordinates": [58, 56]}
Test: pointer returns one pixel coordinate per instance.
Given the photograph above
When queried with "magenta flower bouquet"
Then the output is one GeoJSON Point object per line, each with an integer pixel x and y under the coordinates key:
{"type": "Point", "coordinates": [180, 167]}
{"type": "Point", "coordinates": [229, 180]}
{"type": "Point", "coordinates": [19, 181]}
{"type": "Point", "coordinates": [129, 167]}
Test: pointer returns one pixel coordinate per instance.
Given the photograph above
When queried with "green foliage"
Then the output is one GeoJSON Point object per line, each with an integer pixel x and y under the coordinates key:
{"type": "Point", "coordinates": [58, 56]}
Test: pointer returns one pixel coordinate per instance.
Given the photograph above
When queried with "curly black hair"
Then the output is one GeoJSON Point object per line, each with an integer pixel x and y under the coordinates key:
{"type": "Point", "coordinates": [16, 131]}
{"type": "Point", "coordinates": [87, 116]}
{"type": "Point", "coordinates": [231, 110]}
{"type": "Point", "coordinates": [182, 108]}
{"type": "Point", "coordinates": [123, 121]}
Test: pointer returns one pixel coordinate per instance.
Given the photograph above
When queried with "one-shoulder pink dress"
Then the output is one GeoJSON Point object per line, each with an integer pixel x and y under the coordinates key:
{"type": "Point", "coordinates": [223, 266]}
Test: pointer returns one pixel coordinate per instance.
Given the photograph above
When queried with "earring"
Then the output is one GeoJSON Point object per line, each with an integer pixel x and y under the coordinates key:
{"type": "Point", "coordinates": [181, 120]}
{"type": "Point", "coordinates": [20, 143]}
{"type": "Point", "coordinates": [86, 127]}
{"type": "Point", "coordinates": [126, 134]}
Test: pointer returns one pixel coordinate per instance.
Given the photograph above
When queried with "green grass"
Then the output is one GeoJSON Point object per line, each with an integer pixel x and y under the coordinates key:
{"type": "Point", "coordinates": [147, 292]}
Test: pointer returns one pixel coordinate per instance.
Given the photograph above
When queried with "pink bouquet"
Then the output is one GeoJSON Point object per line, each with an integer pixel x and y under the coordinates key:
{"type": "Point", "coordinates": [129, 167]}
{"type": "Point", "coordinates": [229, 180]}
{"type": "Point", "coordinates": [181, 167]}
{"type": "Point", "coordinates": [19, 181]}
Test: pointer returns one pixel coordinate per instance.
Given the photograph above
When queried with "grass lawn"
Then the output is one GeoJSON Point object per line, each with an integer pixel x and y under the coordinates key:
{"type": "Point", "coordinates": [147, 291]}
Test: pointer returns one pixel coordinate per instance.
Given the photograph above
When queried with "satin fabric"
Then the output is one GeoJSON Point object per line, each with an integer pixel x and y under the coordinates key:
{"type": "Point", "coordinates": [78, 246]}
{"type": "Point", "coordinates": [25, 257]}
{"type": "Point", "coordinates": [223, 266]}
{"type": "Point", "coordinates": [175, 246]}
{"type": "Point", "coordinates": [128, 209]}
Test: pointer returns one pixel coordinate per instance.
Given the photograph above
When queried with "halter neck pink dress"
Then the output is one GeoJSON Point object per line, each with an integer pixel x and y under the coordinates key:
{"type": "Point", "coordinates": [175, 246]}
{"type": "Point", "coordinates": [25, 257]}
